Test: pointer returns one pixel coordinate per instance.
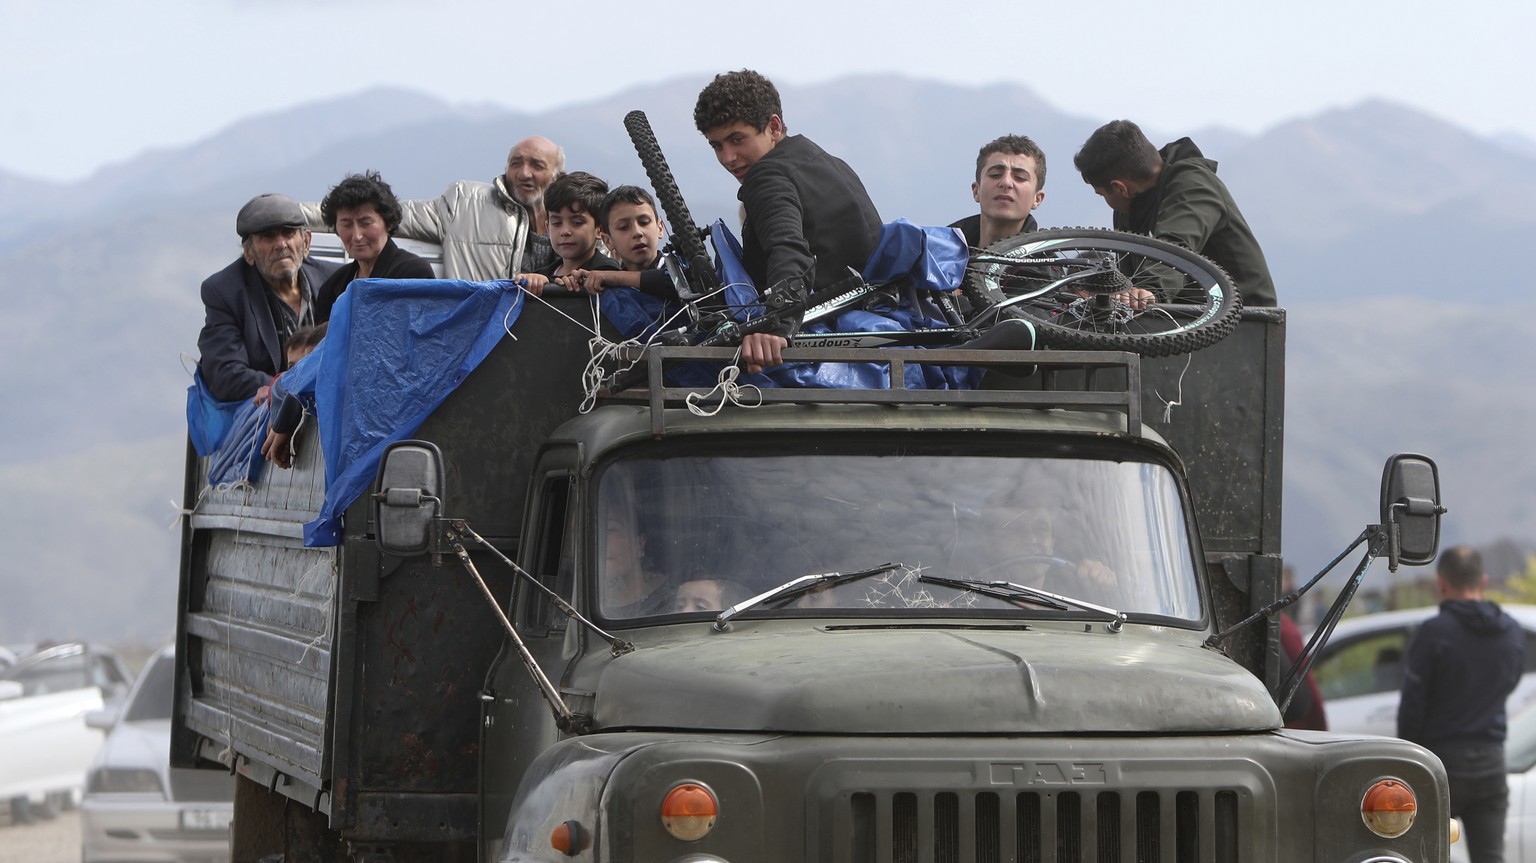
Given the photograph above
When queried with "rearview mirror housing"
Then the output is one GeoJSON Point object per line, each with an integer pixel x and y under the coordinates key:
{"type": "Point", "coordinates": [408, 497]}
{"type": "Point", "coordinates": [1410, 499]}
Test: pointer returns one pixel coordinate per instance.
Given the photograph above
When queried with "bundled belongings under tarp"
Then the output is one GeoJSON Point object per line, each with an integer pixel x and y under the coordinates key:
{"type": "Point", "coordinates": [916, 260]}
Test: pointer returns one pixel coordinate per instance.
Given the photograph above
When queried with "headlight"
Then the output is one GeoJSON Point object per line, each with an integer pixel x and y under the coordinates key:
{"type": "Point", "coordinates": [1389, 807]}
{"type": "Point", "coordinates": [689, 811]}
{"type": "Point", "coordinates": [109, 780]}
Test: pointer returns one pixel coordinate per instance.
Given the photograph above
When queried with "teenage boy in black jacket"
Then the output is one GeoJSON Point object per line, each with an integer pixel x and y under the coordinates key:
{"type": "Point", "coordinates": [808, 217]}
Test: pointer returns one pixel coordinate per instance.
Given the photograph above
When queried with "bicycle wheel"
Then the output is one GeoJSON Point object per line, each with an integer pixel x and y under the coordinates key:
{"type": "Point", "coordinates": [1066, 281]}
{"type": "Point", "coordinates": [685, 234]}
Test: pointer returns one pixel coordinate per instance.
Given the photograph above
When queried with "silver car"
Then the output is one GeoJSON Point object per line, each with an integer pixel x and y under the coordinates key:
{"type": "Point", "coordinates": [136, 807]}
{"type": "Point", "coordinates": [1360, 671]}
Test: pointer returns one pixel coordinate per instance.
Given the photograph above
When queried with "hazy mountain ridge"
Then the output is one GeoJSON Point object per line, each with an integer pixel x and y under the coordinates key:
{"type": "Point", "coordinates": [1376, 219]}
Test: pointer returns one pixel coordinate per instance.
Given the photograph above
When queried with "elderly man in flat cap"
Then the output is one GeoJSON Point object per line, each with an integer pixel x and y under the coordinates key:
{"type": "Point", "coordinates": [254, 304]}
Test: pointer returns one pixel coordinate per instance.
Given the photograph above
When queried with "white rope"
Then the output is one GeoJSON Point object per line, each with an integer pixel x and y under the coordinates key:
{"type": "Point", "coordinates": [1178, 399]}
{"type": "Point", "coordinates": [730, 392]}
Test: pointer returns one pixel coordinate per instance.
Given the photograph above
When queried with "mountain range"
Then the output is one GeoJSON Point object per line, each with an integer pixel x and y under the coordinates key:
{"type": "Point", "coordinates": [1376, 219]}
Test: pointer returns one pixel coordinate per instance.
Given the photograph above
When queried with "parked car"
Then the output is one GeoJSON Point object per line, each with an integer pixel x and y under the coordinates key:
{"type": "Point", "coordinates": [137, 807]}
{"type": "Point", "coordinates": [1520, 822]}
{"type": "Point", "coordinates": [1360, 671]}
{"type": "Point", "coordinates": [45, 745]}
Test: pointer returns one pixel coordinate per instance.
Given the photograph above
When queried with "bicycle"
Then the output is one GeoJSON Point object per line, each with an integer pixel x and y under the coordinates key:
{"type": "Point", "coordinates": [1065, 286]}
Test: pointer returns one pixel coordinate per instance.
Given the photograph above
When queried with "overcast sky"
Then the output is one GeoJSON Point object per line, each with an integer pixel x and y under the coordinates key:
{"type": "Point", "coordinates": [90, 82]}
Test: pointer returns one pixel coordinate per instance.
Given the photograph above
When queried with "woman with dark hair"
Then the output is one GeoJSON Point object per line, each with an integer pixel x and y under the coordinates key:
{"type": "Point", "coordinates": [364, 212]}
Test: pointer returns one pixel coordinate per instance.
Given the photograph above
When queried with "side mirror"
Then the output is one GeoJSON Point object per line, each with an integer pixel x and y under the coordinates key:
{"type": "Point", "coordinates": [408, 496]}
{"type": "Point", "coordinates": [11, 689]}
{"type": "Point", "coordinates": [102, 718]}
{"type": "Point", "coordinates": [1410, 499]}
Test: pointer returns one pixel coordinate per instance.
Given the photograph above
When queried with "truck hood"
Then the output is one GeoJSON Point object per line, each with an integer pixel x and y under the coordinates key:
{"type": "Point", "coordinates": [952, 680]}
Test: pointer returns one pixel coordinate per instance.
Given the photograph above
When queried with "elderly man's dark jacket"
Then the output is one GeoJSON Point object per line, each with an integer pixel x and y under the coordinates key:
{"type": "Point", "coordinates": [240, 347]}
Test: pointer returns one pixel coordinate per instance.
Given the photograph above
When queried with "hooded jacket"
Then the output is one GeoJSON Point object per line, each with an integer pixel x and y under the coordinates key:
{"type": "Point", "coordinates": [1191, 206]}
{"type": "Point", "coordinates": [1462, 664]}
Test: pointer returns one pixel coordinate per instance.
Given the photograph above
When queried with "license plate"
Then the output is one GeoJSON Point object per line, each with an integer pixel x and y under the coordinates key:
{"type": "Point", "coordinates": [206, 819]}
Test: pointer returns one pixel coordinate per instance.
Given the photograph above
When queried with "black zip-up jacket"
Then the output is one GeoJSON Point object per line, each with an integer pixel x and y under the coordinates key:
{"type": "Point", "coordinates": [1461, 666]}
{"type": "Point", "coordinates": [804, 206]}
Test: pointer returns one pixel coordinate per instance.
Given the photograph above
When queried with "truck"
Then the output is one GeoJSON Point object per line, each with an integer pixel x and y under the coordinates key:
{"type": "Point", "coordinates": [1031, 621]}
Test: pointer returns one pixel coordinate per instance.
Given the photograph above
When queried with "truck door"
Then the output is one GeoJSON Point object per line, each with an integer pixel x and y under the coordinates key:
{"type": "Point", "coordinates": [516, 723]}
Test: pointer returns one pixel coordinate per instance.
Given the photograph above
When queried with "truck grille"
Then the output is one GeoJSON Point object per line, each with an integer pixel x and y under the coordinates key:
{"type": "Point", "coordinates": [1153, 826]}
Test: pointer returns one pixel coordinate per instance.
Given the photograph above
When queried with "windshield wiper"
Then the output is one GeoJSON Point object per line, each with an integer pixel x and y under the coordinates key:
{"type": "Point", "coordinates": [795, 587]}
{"type": "Point", "coordinates": [1009, 590]}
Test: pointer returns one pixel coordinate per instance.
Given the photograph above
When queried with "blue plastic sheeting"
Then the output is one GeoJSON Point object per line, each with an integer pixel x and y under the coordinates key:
{"type": "Point", "coordinates": [237, 460]}
{"type": "Point", "coordinates": [394, 351]}
{"type": "Point", "coordinates": [208, 419]}
{"type": "Point", "coordinates": [229, 434]}
{"type": "Point", "coordinates": [925, 259]}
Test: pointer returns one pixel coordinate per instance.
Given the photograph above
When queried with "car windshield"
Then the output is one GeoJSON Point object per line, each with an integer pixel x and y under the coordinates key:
{"type": "Point", "coordinates": [152, 700]}
{"type": "Point", "coordinates": [702, 532]}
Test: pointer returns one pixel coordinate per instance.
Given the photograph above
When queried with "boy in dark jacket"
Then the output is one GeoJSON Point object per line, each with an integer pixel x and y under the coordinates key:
{"type": "Point", "coordinates": [1462, 664]}
{"type": "Point", "coordinates": [808, 217]}
{"type": "Point", "coordinates": [572, 204]}
{"type": "Point", "coordinates": [1174, 194]}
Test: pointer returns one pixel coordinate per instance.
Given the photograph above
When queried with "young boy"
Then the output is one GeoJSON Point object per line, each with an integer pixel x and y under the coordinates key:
{"type": "Point", "coordinates": [808, 217]}
{"type": "Point", "coordinates": [572, 204]}
{"type": "Point", "coordinates": [633, 232]}
{"type": "Point", "coordinates": [287, 411]}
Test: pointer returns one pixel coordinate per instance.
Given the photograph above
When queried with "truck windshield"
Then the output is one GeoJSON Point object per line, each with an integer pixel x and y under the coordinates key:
{"type": "Point", "coordinates": [700, 533]}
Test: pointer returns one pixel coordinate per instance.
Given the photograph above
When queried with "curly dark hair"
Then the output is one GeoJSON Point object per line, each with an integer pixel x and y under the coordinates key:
{"type": "Point", "coordinates": [359, 190]}
{"type": "Point", "coordinates": [578, 191]}
{"type": "Point", "coordinates": [733, 97]}
{"type": "Point", "coordinates": [1014, 145]}
{"type": "Point", "coordinates": [1117, 150]}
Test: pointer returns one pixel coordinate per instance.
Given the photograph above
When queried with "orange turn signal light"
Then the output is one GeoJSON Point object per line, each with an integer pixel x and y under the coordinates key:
{"type": "Point", "coordinates": [568, 838]}
{"type": "Point", "coordinates": [1389, 807]}
{"type": "Point", "coordinates": [689, 811]}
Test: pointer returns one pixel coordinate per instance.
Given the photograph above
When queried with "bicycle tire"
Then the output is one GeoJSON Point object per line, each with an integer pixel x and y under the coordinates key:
{"type": "Point", "coordinates": [685, 233]}
{"type": "Point", "coordinates": [1084, 316]}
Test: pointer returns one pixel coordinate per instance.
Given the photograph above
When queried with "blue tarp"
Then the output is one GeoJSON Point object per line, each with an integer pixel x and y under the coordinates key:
{"type": "Point", "coordinates": [208, 419]}
{"type": "Point", "coordinates": [228, 433]}
{"type": "Point", "coordinates": [394, 351]}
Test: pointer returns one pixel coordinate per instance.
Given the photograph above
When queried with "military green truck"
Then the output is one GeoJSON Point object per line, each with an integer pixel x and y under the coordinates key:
{"type": "Point", "coordinates": [842, 625]}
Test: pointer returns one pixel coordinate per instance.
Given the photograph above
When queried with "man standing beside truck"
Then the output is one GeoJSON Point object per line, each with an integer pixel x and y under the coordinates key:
{"type": "Point", "coordinates": [1462, 664]}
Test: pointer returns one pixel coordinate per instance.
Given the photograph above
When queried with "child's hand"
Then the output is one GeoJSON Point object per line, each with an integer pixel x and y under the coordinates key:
{"type": "Point", "coordinates": [591, 281]}
{"type": "Point", "coordinates": [278, 448]}
{"type": "Point", "coordinates": [570, 281]}
{"type": "Point", "coordinates": [533, 283]}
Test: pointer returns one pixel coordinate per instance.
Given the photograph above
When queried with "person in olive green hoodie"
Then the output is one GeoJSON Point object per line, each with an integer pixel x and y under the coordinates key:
{"type": "Point", "coordinates": [1174, 194]}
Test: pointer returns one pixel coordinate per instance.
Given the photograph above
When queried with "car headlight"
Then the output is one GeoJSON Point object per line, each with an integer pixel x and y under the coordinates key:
{"type": "Point", "coordinates": [111, 780]}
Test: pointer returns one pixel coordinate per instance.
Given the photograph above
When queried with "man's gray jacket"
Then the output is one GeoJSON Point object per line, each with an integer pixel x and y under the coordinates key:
{"type": "Point", "coordinates": [481, 229]}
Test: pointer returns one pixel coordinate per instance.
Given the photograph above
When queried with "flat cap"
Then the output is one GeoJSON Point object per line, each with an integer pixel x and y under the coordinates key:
{"type": "Point", "coordinates": [265, 212]}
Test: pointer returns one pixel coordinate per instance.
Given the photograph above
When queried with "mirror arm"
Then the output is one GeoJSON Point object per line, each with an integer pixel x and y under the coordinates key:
{"type": "Point", "coordinates": [565, 719]}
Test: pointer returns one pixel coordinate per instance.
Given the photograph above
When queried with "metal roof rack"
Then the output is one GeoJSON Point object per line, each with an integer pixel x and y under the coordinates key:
{"type": "Point", "coordinates": [1097, 385]}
